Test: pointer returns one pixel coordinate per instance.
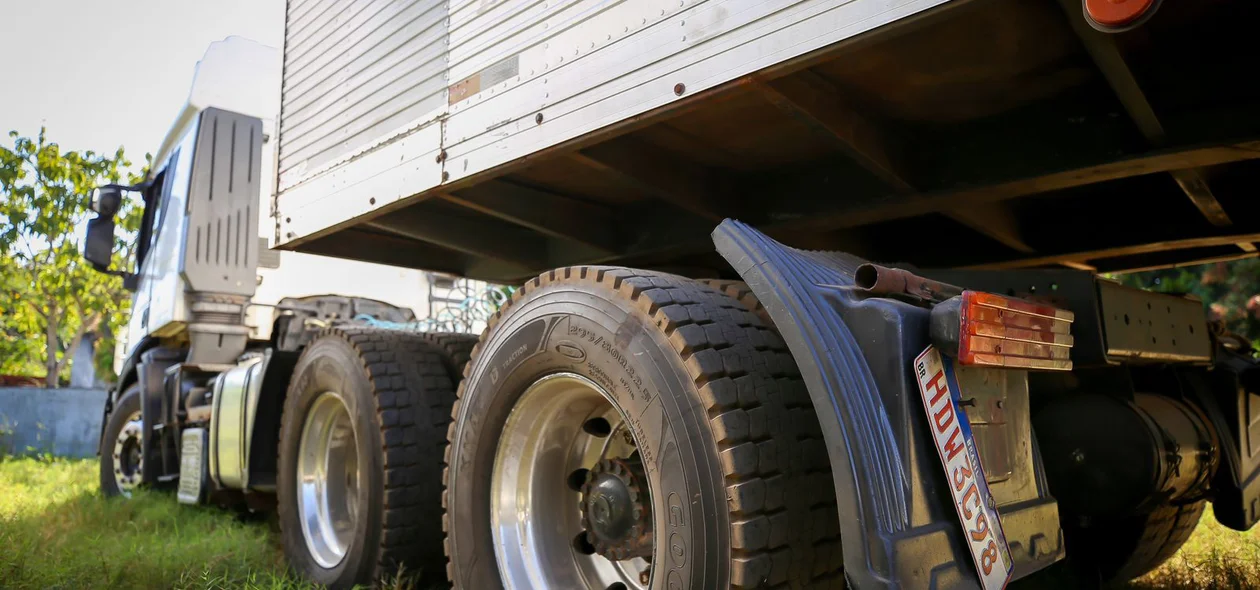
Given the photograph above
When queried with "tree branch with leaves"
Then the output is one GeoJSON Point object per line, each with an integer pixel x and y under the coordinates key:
{"type": "Point", "coordinates": [49, 294]}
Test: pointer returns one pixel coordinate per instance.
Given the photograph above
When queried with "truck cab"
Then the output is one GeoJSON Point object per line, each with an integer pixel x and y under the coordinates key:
{"type": "Point", "coordinates": [218, 320]}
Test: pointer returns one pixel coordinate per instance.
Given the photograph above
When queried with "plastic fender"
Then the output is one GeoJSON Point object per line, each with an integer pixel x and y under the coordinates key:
{"type": "Point", "coordinates": [895, 531]}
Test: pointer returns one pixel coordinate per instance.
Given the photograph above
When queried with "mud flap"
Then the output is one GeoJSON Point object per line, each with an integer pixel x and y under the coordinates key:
{"type": "Point", "coordinates": [898, 525]}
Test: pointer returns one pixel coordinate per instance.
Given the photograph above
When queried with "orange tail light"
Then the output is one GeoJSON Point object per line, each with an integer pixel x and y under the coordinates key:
{"type": "Point", "coordinates": [995, 331]}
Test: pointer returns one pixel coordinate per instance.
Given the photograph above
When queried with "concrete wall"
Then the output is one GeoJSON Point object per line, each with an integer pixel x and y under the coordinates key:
{"type": "Point", "coordinates": [64, 422]}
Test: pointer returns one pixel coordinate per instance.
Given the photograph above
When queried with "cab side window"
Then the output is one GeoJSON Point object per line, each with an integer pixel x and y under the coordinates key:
{"type": "Point", "coordinates": [155, 200]}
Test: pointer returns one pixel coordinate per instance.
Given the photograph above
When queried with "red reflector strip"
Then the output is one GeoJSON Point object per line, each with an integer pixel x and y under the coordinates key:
{"type": "Point", "coordinates": [1000, 346]}
{"type": "Point", "coordinates": [1015, 319]}
{"type": "Point", "coordinates": [1012, 333]}
{"type": "Point", "coordinates": [1017, 305]}
{"type": "Point", "coordinates": [999, 331]}
{"type": "Point", "coordinates": [1014, 362]}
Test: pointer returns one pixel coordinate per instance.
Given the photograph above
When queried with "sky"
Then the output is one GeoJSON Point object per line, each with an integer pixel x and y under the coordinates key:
{"type": "Point", "coordinates": [104, 73]}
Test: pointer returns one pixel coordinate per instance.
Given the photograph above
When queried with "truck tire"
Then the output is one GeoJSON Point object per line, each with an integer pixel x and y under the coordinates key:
{"type": "Point", "coordinates": [122, 462]}
{"type": "Point", "coordinates": [458, 349]}
{"type": "Point", "coordinates": [668, 414]}
{"type": "Point", "coordinates": [1127, 548]}
{"type": "Point", "coordinates": [739, 291]}
{"type": "Point", "coordinates": [370, 406]}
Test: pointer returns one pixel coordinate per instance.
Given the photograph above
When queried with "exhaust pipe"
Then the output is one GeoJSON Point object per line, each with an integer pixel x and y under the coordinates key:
{"type": "Point", "coordinates": [882, 281]}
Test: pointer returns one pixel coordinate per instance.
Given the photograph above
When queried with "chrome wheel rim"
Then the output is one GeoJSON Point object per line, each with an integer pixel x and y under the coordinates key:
{"type": "Point", "coordinates": [547, 449]}
{"type": "Point", "coordinates": [328, 480]}
{"type": "Point", "coordinates": [129, 455]}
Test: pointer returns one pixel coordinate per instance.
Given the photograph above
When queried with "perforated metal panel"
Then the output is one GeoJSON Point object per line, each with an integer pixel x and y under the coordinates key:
{"type": "Point", "coordinates": [1152, 327]}
{"type": "Point", "coordinates": [357, 74]}
{"type": "Point", "coordinates": [222, 248]}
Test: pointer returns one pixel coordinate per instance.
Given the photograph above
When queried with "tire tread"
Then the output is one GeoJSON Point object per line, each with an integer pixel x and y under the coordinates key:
{"type": "Point", "coordinates": [413, 394]}
{"type": "Point", "coordinates": [760, 415]}
{"type": "Point", "coordinates": [1163, 532]}
{"type": "Point", "coordinates": [458, 349]}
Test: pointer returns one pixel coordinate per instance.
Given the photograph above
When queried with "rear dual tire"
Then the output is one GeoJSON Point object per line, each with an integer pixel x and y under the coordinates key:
{"type": "Point", "coordinates": [1118, 550]}
{"type": "Point", "coordinates": [361, 443]}
{"type": "Point", "coordinates": [734, 468]}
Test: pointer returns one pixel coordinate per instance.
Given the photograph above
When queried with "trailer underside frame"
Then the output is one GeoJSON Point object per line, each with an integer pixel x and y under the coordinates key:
{"type": "Point", "coordinates": [986, 134]}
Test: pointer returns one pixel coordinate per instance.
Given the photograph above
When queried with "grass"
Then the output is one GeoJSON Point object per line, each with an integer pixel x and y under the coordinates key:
{"type": "Point", "coordinates": [1214, 557]}
{"type": "Point", "coordinates": [57, 531]}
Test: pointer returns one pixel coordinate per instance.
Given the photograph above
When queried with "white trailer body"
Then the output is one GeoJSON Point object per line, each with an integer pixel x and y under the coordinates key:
{"type": "Point", "coordinates": [375, 91]}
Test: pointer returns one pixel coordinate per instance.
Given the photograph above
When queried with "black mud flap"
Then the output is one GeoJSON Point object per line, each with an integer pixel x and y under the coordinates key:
{"type": "Point", "coordinates": [898, 526]}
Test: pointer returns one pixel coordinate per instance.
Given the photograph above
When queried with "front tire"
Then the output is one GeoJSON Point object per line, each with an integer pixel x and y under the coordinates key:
{"type": "Point", "coordinates": [598, 386]}
{"type": "Point", "coordinates": [360, 458]}
{"type": "Point", "coordinates": [122, 448]}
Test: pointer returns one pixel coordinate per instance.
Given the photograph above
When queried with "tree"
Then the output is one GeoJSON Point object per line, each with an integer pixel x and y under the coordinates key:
{"type": "Point", "coordinates": [50, 293]}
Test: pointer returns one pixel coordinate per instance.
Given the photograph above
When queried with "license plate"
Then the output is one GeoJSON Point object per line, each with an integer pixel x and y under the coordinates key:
{"type": "Point", "coordinates": [191, 466]}
{"type": "Point", "coordinates": [951, 434]}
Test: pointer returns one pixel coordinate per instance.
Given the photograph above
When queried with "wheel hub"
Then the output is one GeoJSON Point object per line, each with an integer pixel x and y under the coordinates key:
{"type": "Point", "coordinates": [570, 503]}
{"type": "Point", "coordinates": [128, 455]}
{"type": "Point", "coordinates": [328, 480]}
{"type": "Point", "coordinates": [617, 522]}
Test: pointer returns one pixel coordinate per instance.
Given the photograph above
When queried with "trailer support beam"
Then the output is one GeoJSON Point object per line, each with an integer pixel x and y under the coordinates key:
{"type": "Point", "coordinates": [813, 101]}
{"type": "Point", "coordinates": [1111, 63]}
{"type": "Point", "coordinates": [1086, 256]}
{"type": "Point", "coordinates": [488, 238]}
{"type": "Point", "coordinates": [354, 243]}
{"type": "Point", "coordinates": [542, 211]}
{"type": "Point", "coordinates": [645, 168]}
{"type": "Point", "coordinates": [922, 204]}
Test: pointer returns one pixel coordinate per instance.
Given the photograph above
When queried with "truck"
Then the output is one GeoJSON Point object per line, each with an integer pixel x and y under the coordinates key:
{"type": "Point", "coordinates": [701, 379]}
{"type": "Point", "coordinates": [195, 298]}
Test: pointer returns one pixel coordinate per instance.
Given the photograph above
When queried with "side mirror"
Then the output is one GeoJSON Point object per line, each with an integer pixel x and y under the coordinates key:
{"type": "Point", "coordinates": [106, 200]}
{"type": "Point", "coordinates": [98, 244]}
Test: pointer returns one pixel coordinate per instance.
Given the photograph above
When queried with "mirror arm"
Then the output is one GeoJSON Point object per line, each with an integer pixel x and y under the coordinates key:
{"type": "Point", "coordinates": [111, 272]}
{"type": "Point", "coordinates": [130, 279]}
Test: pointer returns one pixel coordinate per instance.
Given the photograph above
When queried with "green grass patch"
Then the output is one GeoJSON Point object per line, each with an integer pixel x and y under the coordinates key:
{"type": "Point", "coordinates": [57, 531]}
{"type": "Point", "coordinates": [1214, 557]}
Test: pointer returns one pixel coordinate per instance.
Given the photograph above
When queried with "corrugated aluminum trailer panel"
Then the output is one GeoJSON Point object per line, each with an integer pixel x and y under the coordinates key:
{"type": "Point", "coordinates": [361, 133]}
{"type": "Point", "coordinates": [355, 72]}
